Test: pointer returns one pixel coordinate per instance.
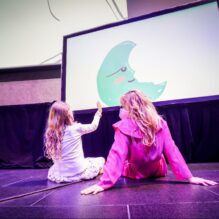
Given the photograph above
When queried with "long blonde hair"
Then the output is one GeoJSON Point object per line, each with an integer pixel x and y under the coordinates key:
{"type": "Point", "coordinates": [142, 110]}
{"type": "Point", "coordinates": [59, 116]}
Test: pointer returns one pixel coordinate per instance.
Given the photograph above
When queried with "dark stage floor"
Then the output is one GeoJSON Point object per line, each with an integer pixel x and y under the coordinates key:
{"type": "Point", "coordinates": [28, 194]}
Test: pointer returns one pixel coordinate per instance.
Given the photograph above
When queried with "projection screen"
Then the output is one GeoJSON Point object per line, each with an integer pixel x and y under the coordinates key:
{"type": "Point", "coordinates": [169, 55]}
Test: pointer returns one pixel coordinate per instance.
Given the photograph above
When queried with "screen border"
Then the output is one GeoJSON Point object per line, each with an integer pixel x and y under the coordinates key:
{"type": "Point", "coordinates": [124, 22]}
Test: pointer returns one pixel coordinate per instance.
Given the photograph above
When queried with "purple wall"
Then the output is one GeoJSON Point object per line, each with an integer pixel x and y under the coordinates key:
{"type": "Point", "coordinates": [141, 7]}
{"type": "Point", "coordinates": [28, 85]}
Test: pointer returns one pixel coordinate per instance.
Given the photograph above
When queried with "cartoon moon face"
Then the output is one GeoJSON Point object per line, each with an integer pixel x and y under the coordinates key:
{"type": "Point", "coordinates": [115, 77]}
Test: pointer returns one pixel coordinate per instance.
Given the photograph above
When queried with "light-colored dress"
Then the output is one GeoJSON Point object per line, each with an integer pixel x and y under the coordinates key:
{"type": "Point", "coordinates": [130, 158]}
{"type": "Point", "coordinates": [73, 166]}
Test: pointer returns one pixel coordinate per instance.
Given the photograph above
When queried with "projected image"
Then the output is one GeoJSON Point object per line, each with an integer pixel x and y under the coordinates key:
{"type": "Point", "coordinates": [116, 77]}
{"type": "Point", "coordinates": [169, 57]}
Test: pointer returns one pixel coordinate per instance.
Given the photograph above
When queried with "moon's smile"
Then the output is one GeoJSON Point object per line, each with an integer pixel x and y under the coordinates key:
{"type": "Point", "coordinates": [131, 80]}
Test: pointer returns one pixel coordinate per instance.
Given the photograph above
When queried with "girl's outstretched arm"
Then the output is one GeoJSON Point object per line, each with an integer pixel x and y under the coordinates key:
{"type": "Point", "coordinates": [87, 128]}
{"type": "Point", "coordinates": [114, 165]}
{"type": "Point", "coordinates": [173, 155]}
{"type": "Point", "coordinates": [177, 162]}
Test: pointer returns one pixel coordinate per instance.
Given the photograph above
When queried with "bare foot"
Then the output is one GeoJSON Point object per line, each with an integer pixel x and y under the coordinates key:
{"type": "Point", "coordinates": [101, 171]}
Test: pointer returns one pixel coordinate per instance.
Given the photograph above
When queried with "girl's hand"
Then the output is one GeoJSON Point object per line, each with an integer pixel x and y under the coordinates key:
{"type": "Point", "coordinates": [201, 181]}
{"type": "Point", "coordinates": [99, 106]}
{"type": "Point", "coordinates": [92, 190]}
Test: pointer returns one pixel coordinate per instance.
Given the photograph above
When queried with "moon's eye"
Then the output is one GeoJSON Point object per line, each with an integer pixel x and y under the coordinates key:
{"type": "Point", "coordinates": [124, 68]}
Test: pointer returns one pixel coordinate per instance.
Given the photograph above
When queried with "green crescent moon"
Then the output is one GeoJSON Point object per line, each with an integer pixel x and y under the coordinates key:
{"type": "Point", "coordinates": [115, 77]}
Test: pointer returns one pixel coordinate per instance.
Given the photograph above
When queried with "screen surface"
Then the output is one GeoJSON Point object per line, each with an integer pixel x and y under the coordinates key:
{"type": "Point", "coordinates": [169, 56]}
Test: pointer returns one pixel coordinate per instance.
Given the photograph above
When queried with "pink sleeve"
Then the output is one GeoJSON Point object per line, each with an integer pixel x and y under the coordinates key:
{"type": "Point", "coordinates": [174, 157]}
{"type": "Point", "coordinates": [115, 160]}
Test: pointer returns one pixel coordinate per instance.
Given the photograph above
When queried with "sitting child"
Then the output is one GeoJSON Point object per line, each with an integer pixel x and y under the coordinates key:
{"type": "Point", "coordinates": [141, 140]}
{"type": "Point", "coordinates": [63, 145]}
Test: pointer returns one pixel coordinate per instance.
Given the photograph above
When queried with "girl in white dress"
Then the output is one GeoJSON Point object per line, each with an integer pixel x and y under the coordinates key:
{"type": "Point", "coordinates": [63, 144]}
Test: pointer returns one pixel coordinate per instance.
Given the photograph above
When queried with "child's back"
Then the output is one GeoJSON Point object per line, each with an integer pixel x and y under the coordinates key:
{"type": "Point", "coordinates": [70, 164]}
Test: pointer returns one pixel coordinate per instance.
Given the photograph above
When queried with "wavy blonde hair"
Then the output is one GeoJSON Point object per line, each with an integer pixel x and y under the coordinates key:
{"type": "Point", "coordinates": [59, 116]}
{"type": "Point", "coordinates": [142, 110]}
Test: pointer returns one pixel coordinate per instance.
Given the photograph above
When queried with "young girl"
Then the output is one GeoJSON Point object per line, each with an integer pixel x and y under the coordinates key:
{"type": "Point", "coordinates": [63, 145]}
{"type": "Point", "coordinates": [141, 138]}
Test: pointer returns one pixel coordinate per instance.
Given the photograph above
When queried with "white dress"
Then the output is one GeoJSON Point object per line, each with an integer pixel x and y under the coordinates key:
{"type": "Point", "coordinates": [73, 166]}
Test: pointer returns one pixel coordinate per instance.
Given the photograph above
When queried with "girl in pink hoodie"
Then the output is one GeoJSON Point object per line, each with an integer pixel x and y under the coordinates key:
{"type": "Point", "coordinates": [141, 140]}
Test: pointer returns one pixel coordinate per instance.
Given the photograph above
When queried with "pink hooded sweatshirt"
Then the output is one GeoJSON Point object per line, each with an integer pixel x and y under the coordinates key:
{"type": "Point", "coordinates": [130, 158]}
